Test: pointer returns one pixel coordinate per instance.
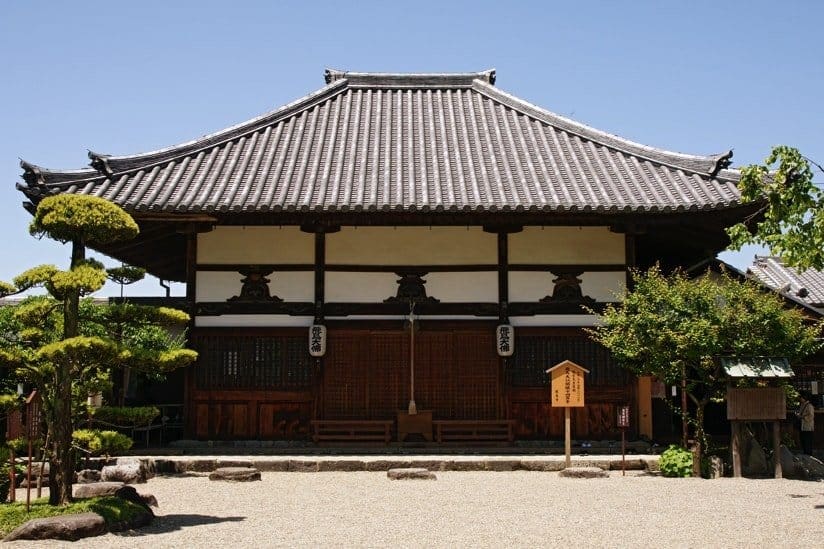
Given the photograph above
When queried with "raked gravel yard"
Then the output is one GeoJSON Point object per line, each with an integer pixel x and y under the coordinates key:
{"type": "Point", "coordinates": [474, 509]}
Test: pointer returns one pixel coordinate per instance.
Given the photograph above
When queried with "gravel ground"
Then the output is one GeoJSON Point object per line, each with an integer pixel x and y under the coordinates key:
{"type": "Point", "coordinates": [477, 509]}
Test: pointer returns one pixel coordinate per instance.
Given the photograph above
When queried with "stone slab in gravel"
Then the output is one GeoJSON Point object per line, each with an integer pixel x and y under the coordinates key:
{"type": "Point", "coordinates": [65, 527]}
{"type": "Point", "coordinates": [342, 465]}
{"type": "Point", "coordinates": [541, 465]}
{"type": "Point", "coordinates": [96, 489]}
{"type": "Point", "coordinates": [303, 466]}
{"type": "Point", "coordinates": [411, 473]}
{"type": "Point", "coordinates": [233, 463]}
{"type": "Point", "coordinates": [583, 472]}
{"type": "Point", "coordinates": [236, 474]}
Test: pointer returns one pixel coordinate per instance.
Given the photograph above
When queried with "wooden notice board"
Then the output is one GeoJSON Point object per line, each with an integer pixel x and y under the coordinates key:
{"type": "Point", "coordinates": [567, 388]}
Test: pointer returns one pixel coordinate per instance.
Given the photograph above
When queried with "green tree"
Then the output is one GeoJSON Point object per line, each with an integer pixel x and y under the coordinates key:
{"type": "Point", "coordinates": [673, 327]}
{"type": "Point", "coordinates": [791, 220]}
{"type": "Point", "coordinates": [49, 346]}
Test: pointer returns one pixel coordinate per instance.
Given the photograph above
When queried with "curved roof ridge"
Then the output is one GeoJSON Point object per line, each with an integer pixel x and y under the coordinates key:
{"type": "Point", "coordinates": [120, 164]}
{"type": "Point", "coordinates": [412, 79]}
{"type": "Point", "coordinates": [711, 165]}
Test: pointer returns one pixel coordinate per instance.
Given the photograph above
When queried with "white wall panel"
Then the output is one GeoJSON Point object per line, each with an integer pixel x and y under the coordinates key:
{"type": "Point", "coordinates": [566, 245]}
{"type": "Point", "coordinates": [411, 246]}
{"type": "Point", "coordinates": [458, 287]}
{"type": "Point", "coordinates": [531, 286]}
{"type": "Point", "coordinates": [360, 287]}
{"type": "Point", "coordinates": [253, 321]}
{"type": "Point", "coordinates": [288, 285]}
{"type": "Point", "coordinates": [553, 320]}
{"type": "Point", "coordinates": [250, 245]}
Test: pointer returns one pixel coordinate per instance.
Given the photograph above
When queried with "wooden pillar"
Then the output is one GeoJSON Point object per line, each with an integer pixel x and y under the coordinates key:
{"type": "Point", "coordinates": [645, 406]}
{"type": "Point", "coordinates": [503, 276]}
{"type": "Point", "coordinates": [735, 447]}
{"type": "Point", "coordinates": [191, 302]}
{"type": "Point", "coordinates": [630, 256]}
{"type": "Point", "coordinates": [776, 429]}
{"type": "Point", "coordinates": [191, 271]}
{"type": "Point", "coordinates": [320, 273]}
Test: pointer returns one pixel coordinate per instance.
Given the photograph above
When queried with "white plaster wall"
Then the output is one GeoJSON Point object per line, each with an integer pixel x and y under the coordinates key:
{"type": "Point", "coordinates": [411, 246]}
{"type": "Point", "coordinates": [566, 245]}
{"type": "Point", "coordinates": [447, 287]}
{"type": "Point", "coordinates": [533, 285]}
{"type": "Point", "coordinates": [287, 285]}
{"type": "Point", "coordinates": [554, 320]}
{"type": "Point", "coordinates": [466, 287]}
{"type": "Point", "coordinates": [360, 287]}
{"type": "Point", "coordinates": [250, 245]}
{"type": "Point", "coordinates": [253, 321]}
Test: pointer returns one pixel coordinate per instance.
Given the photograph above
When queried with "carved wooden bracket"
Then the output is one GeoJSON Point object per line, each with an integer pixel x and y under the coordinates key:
{"type": "Point", "coordinates": [411, 287]}
{"type": "Point", "coordinates": [255, 287]}
{"type": "Point", "coordinates": [568, 290]}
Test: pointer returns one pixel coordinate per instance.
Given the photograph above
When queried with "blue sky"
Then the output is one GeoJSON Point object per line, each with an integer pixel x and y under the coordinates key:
{"type": "Point", "coordinates": [698, 77]}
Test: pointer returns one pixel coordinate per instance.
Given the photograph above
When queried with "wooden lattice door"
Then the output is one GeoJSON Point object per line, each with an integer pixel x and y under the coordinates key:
{"type": "Point", "coordinates": [367, 374]}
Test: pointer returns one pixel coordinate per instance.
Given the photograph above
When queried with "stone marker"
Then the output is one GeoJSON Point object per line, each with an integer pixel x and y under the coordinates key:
{"type": "Point", "coordinates": [237, 474]}
{"type": "Point", "coordinates": [411, 473]}
{"type": "Point", "coordinates": [66, 527]}
{"type": "Point", "coordinates": [583, 472]}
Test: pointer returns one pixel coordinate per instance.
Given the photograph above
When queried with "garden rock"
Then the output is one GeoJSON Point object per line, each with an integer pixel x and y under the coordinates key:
{"type": "Point", "coordinates": [810, 467]}
{"type": "Point", "coordinates": [789, 463]}
{"type": "Point", "coordinates": [96, 489]}
{"type": "Point", "coordinates": [88, 475]}
{"type": "Point", "coordinates": [414, 473]}
{"type": "Point", "coordinates": [65, 527]}
{"type": "Point", "coordinates": [236, 474]}
{"type": "Point", "coordinates": [128, 472]}
{"type": "Point", "coordinates": [583, 472]}
{"type": "Point", "coordinates": [129, 493]}
{"type": "Point", "coordinates": [755, 460]}
{"type": "Point", "coordinates": [716, 467]}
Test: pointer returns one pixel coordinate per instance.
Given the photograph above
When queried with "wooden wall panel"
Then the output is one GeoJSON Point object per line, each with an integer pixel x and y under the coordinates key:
{"type": "Point", "coordinates": [366, 374]}
{"type": "Point", "coordinates": [284, 420]}
{"type": "Point", "coordinates": [535, 418]}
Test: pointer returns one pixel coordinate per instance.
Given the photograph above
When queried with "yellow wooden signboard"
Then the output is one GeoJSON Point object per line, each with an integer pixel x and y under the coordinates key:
{"type": "Point", "coordinates": [567, 384]}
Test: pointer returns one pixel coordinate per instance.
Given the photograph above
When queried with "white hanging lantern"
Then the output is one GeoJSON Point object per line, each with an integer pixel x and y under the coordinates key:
{"type": "Point", "coordinates": [317, 340]}
{"type": "Point", "coordinates": [505, 340]}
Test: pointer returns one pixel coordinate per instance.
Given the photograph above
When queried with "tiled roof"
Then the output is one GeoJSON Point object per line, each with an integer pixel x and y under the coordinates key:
{"type": "Point", "coordinates": [403, 142]}
{"type": "Point", "coordinates": [807, 286]}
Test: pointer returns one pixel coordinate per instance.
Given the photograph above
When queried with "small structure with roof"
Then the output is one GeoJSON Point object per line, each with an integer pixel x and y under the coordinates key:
{"type": "Point", "coordinates": [763, 403]}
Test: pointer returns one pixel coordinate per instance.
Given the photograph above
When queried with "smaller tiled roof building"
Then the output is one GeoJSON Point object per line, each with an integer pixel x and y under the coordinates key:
{"type": "Point", "coordinates": [804, 286]}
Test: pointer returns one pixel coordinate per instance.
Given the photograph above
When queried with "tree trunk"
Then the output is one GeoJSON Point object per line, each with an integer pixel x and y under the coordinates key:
{"type": "Point", "coordinates": [62, 464]}
{"type": "Point", "coordinates": [698, 452]}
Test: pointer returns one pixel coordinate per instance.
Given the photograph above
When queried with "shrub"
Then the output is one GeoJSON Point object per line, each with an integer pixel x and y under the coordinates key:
{"type": "Point", "coordinates": [126, 416]}
{"type": "Point", "coordinates": [113, 510]}
{"type": "Point", "coordinates": [98, 442]}
{"type": "Point", "coordinates": [676, 462]}
{"type": "Point", "coordinates": [20, 445]}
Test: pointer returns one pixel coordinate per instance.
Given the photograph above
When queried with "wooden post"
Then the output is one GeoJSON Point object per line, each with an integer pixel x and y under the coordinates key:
{"type": "Point", "coordinates": [623, 452]}
{"type": "Point", "coordinates": [12, 479]}
{"type": "Point", "coordinates": [567, 437]}
{"type": "Point", "coordinates": [735, 446]}
{"type": "Point", "coordinates": [777, 448]}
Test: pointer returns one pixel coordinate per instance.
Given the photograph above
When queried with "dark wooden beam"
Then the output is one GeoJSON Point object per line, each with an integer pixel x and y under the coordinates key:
{"type": "Point", "coordinates": [320, 274]}
{"type": "Point", "coordinates": [503, 276]}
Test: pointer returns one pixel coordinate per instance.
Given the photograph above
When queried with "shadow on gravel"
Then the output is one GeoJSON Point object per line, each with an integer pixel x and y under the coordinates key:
{"type": "Point", "coordinates": [171, 523]}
